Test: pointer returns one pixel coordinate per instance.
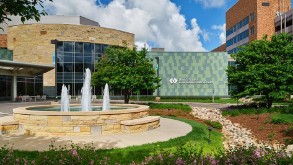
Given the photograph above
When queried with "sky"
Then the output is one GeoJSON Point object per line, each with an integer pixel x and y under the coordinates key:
{"type": "Point", "coordinates": [176, 25]}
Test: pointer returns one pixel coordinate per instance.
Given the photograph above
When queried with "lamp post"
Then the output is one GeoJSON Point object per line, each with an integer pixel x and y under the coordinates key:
{"type": "Point", "coordinates": [210, 129]}
{"type": "Point", "coordinates": [158, 73]}
{"type": "Point", "coordinates": [213, 93]}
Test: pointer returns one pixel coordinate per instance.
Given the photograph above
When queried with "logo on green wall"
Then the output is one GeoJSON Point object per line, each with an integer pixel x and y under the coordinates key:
{"type": "Point", "coordinates": [173, 80]}
{"type": "Point", "coordinates": [188, 81]}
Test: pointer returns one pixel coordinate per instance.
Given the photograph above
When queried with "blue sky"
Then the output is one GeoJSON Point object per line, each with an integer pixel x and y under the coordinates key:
{"type": "Point", "coordinates": [176, 25]}
{"type": "Point", "coordinates": [206, 17]}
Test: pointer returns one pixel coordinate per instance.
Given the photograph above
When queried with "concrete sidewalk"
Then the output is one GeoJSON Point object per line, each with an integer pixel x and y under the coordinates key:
{"type": "Point", "coordinates": [168, 129]}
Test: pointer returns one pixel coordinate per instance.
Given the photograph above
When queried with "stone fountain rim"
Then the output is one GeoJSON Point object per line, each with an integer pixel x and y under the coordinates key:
{"type": "Point", "coordinates": [24, 111]}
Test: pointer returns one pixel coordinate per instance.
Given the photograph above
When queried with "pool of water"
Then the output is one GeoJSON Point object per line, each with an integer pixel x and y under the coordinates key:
{"type": "Point", "coordinates": [76, 108]}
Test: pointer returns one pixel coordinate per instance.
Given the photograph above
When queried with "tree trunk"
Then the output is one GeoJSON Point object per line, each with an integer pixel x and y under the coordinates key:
{"type": "Point", "coordinates": [126, 96]}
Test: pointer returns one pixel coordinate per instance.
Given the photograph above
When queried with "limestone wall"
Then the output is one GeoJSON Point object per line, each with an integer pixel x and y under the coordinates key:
{"type": "Point", "coordinates": [55, 125]}
{"type": "Point", "coordinates": [32, 43]}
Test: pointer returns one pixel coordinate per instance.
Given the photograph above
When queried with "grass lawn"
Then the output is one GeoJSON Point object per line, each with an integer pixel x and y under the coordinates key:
{"type": "Point", "coordinates": [222, 101]}
{"type": "Point", "coordinates": [282, 118]}
{"type": "Point", "coordinates": [198, 138]}
{"type": "Point", "coordinates": [182, 107]}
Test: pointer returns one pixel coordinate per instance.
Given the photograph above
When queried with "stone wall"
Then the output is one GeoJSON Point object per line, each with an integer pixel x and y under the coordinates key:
{"type": "Point", "coordinates": [32, 43]}
{"type": "Point", "coordinates": [55, 125]}
{"type": "Point", "coordinates": [8, 129]}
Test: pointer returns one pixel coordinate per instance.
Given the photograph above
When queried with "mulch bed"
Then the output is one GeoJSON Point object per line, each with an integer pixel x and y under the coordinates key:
{"type": "Point", "coordinates": [261, 127]}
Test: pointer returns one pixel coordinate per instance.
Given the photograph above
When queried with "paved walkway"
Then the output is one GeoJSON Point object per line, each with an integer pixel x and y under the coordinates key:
{"type": "Point", "coordinates": [6, 108]}
{"type": "Point", "coordinates": [168, 129]}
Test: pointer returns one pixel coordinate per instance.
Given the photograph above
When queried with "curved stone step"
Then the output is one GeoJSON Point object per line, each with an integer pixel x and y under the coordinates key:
{"type": "Point", "coordinates": [143, 120]}
{"type": "Point", "coordinates": [141, 124]}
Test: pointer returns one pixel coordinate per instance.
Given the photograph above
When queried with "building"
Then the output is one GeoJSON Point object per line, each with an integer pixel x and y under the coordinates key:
{"type": "Point", "coordinates": [191, 73]}
{"type": "Point", "coordinates": [65, 45]}
{"type": "Point", "coordinates": [221, 48]}
{"type": "Point", "coordinates": [283, 23]}
{"type": "Point", "coordinates": [250, 20]}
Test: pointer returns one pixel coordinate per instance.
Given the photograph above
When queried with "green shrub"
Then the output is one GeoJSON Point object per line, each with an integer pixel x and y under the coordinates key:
{"type": "Point", "coordinates": [289, 141]}
{"type": "Point", "coordinates": [244, 109]}
{"type": "Point", "coordinates": [278, 118]}
{"type": "Point", "coordinates": [183, 107]}
{"type": "Point", "coordinates": [188, 97]}
{"type": "Point", "coordinates": [143, 98]}
{"type": "Point", "coordinates": [214, 124]}
{"type": "Point", "coordinates": [289, 131]}
{"type": "Point", "coordinates": [278, 121]}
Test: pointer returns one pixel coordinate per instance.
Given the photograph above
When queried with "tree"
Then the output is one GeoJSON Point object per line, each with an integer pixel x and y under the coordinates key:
{"type": "Point", "coordinates": [26, 9]}
{"type": "Point", "coordinates": [264, 67]}
{"type": "Point", "coordinates": [126, 69]}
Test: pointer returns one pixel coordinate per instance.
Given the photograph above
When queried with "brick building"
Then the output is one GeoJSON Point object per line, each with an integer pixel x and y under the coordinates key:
{"type": "Point", "coordinates": [283, 23]}
{"type": "Point", "coordinates": [249, 20]}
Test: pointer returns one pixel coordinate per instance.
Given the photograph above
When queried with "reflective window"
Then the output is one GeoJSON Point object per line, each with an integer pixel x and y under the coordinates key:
{"type": "Point", "coordinates": [79, 47]}
{"type": "Point", "coordinates": [68, 46]}
{"type": "Point", "coordinates": [30, 85]}
{"type": "Point", "coordinates": [72, 59]}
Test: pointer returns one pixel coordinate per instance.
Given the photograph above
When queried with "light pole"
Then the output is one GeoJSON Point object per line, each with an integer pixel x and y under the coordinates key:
{"type": "Point", "coordinates": [210, 129]}
{"type": "Point", "coordinates": [158, 73]}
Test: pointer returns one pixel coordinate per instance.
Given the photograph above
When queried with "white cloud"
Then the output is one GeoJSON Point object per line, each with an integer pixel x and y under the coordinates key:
{"type": "Point", "coordinates": [157, 21]}
{"type": "Point", "coordinates": [205, 35]}
{"type": "Point", "coordinates": [222, 29]}
{"type": "Point", "coordinates": [211, 3]}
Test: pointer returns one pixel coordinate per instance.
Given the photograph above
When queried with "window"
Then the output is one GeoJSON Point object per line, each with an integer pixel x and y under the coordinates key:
{"type": "Point", "coordinates": [251, 17]}
{"type": "Point", "coordinates": [266, 4]}
{"type": "Point", "coordinates": [72, 59]}
{"type": "Point", "coordinates": [252, 30]}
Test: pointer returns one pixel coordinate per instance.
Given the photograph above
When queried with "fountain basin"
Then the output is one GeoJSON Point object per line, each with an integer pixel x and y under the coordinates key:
{"type": "Point", "coordinates": [55, 123]}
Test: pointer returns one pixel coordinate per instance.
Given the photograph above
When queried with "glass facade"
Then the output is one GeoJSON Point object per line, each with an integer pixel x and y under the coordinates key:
{"type": "Point", "coordinates": [72, 59]}
{"type": "Point", "coordinates": [25, 86]}
{"type": "Point", "coordinates": [30, 85]}
{"type": "Point", "coordinates": [6, 54]}
{"type": "Point", "coordinates": [5, 88]}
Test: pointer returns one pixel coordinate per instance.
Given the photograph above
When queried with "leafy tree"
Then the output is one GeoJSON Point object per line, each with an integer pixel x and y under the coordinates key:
{"type": "Point", "coordinates": [264, 67]}
{"type": "Point", "coordinates": [126, 69]}
{"type": "Point", "coordinates": [26, 9]}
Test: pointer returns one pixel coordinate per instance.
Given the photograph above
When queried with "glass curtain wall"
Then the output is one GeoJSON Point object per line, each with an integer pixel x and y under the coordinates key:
{"type": "Point", "coordinates": [72, 60]}
{"type": "Point", "coordinates": [5, 88]}
{"type": "Point", "coordinates": [30, 85]}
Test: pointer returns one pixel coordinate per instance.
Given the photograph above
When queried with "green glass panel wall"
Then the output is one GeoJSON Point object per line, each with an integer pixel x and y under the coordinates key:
{"type": "Point", "coordinates": [206, 72]}
{"type": "Point", "coordinates": [6, 54]}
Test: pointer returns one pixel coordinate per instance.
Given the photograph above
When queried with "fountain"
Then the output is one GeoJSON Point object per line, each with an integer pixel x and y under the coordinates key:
{"type": "Point", "coordinates": [106, 99]}
{"type": "Point", "coordinates": [86, 92]}
{"type": "Point", "coordinates": [51, 120]}
{"type": "Point", "coordinates": [64, 99]}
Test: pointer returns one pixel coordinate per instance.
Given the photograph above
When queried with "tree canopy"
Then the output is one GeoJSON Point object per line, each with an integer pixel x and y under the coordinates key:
{"type": "Point", "coordinates": [264, 67]}
{"type": "Point", "coordinates": [26, 9]}
{"type": "Point", "coordinates": [126, 69]}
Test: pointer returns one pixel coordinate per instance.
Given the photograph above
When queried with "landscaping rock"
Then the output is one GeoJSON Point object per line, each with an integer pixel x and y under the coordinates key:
{"type": "Point", "coordinates": [234, 134]}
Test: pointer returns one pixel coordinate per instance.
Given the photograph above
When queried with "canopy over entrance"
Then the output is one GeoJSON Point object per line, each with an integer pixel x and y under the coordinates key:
{"type": "Point", "coordinates": [11, 68]}
{"type": "Point", "coordinates": [14, 69]}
